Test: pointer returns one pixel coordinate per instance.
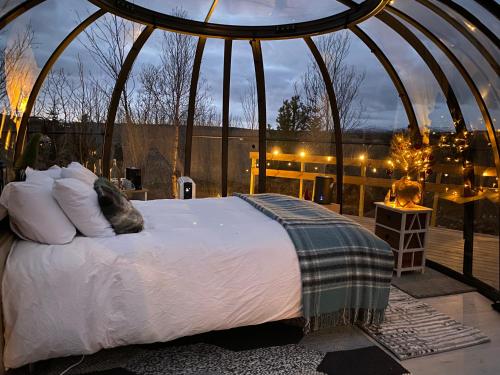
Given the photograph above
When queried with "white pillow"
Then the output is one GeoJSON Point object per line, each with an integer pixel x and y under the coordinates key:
{"type": "Point", "coordinates": [79, 202]}
{"type": "Point", "coordinates": [78, 171]}
{"type": "Point", "coordinates": [53, 172]}
{"type": "Point", "coordinates": [40, 178]}
{"type": "Point", "coordinates": [35, 214]}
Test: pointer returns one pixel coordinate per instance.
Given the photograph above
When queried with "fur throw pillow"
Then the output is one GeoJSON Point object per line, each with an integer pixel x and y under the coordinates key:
{"type": "Point", "coordinates": [117, 209]}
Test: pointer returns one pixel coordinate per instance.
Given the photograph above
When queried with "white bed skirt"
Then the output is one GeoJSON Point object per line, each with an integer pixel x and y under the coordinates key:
{"type": "Point", "coordinates": [199, 265]}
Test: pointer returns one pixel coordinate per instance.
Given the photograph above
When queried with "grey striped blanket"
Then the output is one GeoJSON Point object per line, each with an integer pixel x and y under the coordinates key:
{"type": "Point", "coordinates": [345, 269]}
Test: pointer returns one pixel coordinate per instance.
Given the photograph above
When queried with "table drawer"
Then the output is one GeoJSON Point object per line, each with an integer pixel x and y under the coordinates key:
{"type": "Point", "coordinates": [389, 218]}
{"type": "Point", "coordinates": [389, 236]}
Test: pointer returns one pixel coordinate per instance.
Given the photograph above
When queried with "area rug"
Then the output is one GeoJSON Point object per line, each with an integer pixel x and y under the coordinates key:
{"type": "Point", "coordinates": [197, 359]}
{"type": "Point", "coordinates": [431, 283]}
{"type": "Point", "coordinates": [371, 360]}
{"type": "Point", "coordinates": [412, 329]}
{"type": "Point", "coordinates": [291, 359]}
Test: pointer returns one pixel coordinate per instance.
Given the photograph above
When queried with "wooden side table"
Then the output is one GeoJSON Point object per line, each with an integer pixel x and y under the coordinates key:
{"type": "Point", "coordinates": [406, 231]}
{"type": "Point", "coordinates": [139, 195]}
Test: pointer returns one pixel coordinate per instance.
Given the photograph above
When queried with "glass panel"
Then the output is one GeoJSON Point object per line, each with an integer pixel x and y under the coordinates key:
{"type": "Point", "coordinates": [295, 127]}
{"type": "Point", "coordinates": [431, 110]}
{"type": "Point", "coordinates": [367, 146]}
{"type": "Point", "coordinates": [243, 132]}
{"type": "Point", "coordinates": [485, 214]}
{"type": "Point", "coordinates": [425, 94]}
{"type": "Point", "coordinates": [250, 13]}
{"type": "Point", "coordinates": [25, 46]}
{"type": "Point", "coordinates": [207, 142]}
{"type": "Point", "coordinates": [192, 9]}
{"type": "Point", "coordinates": [483, 15]}
{"type": "Point", "coordinates": [483, 75]}
{"type": "Point", "coordinates": [468, 105]}
{"type": "Point", "coordinates": [8, 5]}
{"type": "Point", "coordinates": [266, 12]}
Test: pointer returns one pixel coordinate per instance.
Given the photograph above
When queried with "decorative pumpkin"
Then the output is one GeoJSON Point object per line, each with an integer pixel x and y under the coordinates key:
{"type": "Point", "coordinates": [408, 192]}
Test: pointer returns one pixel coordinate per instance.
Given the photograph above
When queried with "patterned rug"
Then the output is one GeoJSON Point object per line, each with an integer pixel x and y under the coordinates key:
{"type": "Point", "coordinates": [414, 329]}
{"type": "Point", "coordinates": [205, 359]}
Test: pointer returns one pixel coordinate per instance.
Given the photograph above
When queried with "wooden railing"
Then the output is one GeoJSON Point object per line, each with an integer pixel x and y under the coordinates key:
{"type": "Point", "coordinates": [362, 180]}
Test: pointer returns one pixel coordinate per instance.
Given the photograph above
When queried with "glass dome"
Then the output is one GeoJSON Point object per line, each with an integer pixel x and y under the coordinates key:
{"type": "Point", "coordinates": [210, 88]}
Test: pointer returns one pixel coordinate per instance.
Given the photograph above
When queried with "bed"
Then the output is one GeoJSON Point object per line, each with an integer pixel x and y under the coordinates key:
{"type": "Point", "coordinates": [199, 265]}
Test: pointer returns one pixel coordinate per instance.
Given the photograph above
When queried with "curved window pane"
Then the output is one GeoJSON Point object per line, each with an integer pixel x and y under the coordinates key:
{"type": "Point", "coordinates": [206, 153]}
{"type": "Point", "coordinates": [26, 45]}
{"type": "Point", "coordinates": [193, 9]}
{"type": "Point", "coordinates": [483, 15]}
{"type": "Point", "coordinates": [482, 73]}
{"type": "Point", "coordinates": [249, 13]}
{"type": "Point", "coordinates": [243, 131]}
{"type": "Point", "coordinates": [8, 5]}
{"type": "Point", "coordinates": [426, 96]}
{"type": "Point", "coordinates": [271, 12]}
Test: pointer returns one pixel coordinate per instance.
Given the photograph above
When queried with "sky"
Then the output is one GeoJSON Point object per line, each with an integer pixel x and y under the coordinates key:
{"type": "Point", "coordinates": [284, 61]}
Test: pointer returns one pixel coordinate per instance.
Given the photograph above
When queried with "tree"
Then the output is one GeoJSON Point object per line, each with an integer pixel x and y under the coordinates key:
{"type": "Point", "coordinates": [346, 80]}
{"type": "Point", "coordinates": [108, 42]}
{"type": "Point", "coordinates": [294, 116]}
{"type": "Point", "coordinates": [248, 102]}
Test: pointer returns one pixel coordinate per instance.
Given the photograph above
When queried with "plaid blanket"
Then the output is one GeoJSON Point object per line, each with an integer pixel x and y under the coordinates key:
{"type": "Point", "coordinates": [346, 270]}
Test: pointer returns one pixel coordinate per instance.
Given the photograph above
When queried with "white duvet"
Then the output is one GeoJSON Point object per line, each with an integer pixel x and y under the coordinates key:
{"type": "Point", "coordinates": [199, 265]}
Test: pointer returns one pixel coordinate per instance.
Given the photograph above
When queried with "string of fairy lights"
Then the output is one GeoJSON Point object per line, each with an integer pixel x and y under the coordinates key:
{"type": "Point", "coordinates": [412, 160]}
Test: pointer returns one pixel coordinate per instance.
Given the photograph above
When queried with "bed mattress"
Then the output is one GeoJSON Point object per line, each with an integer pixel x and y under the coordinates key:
{"type": "Point", "coordinates": [199, 265]}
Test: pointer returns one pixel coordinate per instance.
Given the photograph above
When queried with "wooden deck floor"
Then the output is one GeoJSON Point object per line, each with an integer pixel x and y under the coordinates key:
{"type": "Point", "coordinates": [445, 246]}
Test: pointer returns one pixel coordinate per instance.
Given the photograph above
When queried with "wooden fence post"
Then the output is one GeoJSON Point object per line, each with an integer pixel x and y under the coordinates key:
{"type": "Point", "coordinates": [301, 181]}
{"type": "Point", "coordinates": [253, 165]}
{"type": "Point", "coordinates": [361, 207]}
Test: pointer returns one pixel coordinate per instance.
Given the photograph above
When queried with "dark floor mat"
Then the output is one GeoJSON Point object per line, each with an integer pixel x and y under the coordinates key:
{"type": "Point", "coordinates": [364, 361]}
{"type": "Point", "coordinates": [431, 283]}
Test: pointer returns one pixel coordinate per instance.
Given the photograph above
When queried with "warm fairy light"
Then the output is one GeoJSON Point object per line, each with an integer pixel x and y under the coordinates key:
{"type": "Point", "coordinates": [2, 124]}
{"type": "Point", "coordinates": [329, 158]}
{"type": "Point", "coordinates": [289, 164]}
{"type": "Point", "coordinates": [302, 154]}
{"type": "Point", "coordinates": [470, 26]}
{"type": "Point", "coordinates": [407, 156]}
{"type": "Point", "coordinates": [268, 164]}
{"type": "Point", "coordinates": [362, 157]}
{"type": "Point", "coordinates": [7, 140]}
{"type": "Point", "coordinates": [276, 151]}
{"type": "Point", "coordinates": [315, 168]}
{"type": "Point", "coordinates": [374, 170]}
{"type": "Point", "coordinates": [446, 175]}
